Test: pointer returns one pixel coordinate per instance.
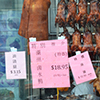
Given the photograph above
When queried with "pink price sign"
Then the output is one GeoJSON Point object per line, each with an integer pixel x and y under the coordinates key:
{"type": "Point", "coordinates": [49, 64]}
{"type": "Point", "coordinates": [82, 67]}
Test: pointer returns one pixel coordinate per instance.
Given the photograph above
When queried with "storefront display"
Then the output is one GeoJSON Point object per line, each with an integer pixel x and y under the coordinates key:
{"type": "Point", "coordinates": [78, 21]}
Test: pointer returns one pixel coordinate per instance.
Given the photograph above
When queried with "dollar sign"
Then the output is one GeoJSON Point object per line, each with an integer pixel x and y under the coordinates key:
{"type": "Point", "coordinates": [52, 67]}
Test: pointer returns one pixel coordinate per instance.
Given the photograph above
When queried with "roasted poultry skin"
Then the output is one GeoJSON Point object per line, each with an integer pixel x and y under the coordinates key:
{"type": "Point", "coordinates": [34, 19]}
{"type": "Point", "coordinates": [94, 15]}
{"type": "Point", "coordinates": [71, 16]}
{"type": "Point", "coordinates": [87, 39]}
{"type": "Point", "coordinates": [23, 29]}
{"type": "Point", "coordinates": [67, 36]}
{"type": "Point", "coordinates": [60, 17]}
{"type": "Point", "coordinates": [76, 39]}
{"type": "Point", "coordinates": [96, 82]}
{"type": "Point", "coordinates": [97, 38]}
{"type": "Point", "coordinates": [82, 15]}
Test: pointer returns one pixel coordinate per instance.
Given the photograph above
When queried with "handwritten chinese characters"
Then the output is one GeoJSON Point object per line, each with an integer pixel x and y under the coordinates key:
{"type": "Point", "coordinates": [82, 68]}
{"type": "Point", "coordinates": [39, 69]}
{"type": "Point", "coordinates": [15, 65]}
{"type": "Point", "coordinates": [14, 61]}
{"type": "Point", "coordinates": [49, 64]}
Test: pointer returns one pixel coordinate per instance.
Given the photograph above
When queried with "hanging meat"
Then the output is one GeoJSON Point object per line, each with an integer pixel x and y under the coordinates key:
{"type": "Point", "coordinates": [96, 82]}
{"type": "Point", "coordinates": [71, 17]}
{"type": "Point", "coordinates": [87, 39]}
{"type": "Point", "coordinates": [97, 38]}
{"type": "Point", "coordinates": [82, 15]}
{"type": "Point", "coordinates": [94, 15]}
{"type": "Point", "coordinates": [34, 19]}
{"type": "Point", "coordinates": [23, 29]}
{"type": "Point", "coordinates": [60, 17]}
{"type": "Point", "coordinates": [76, 39]}
{"type": "Point", "coordinates": [67, 36]}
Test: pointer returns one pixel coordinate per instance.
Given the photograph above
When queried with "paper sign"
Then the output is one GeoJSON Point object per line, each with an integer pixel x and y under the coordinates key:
{"type": "Point", "coordinates": [82, 68]}
{"type": "Point", "coordinates": [15, 65]}
{"type": "Point", "coordinates": [78, 52]}
{"type": "Point", "coordinates": [49, 64]}
{"type": "Point", "coordinates": [61, 37]}
{"type": "Point", "coordinates": [13, 49]}
{"type": "Point", "coordinates": [31, 39]}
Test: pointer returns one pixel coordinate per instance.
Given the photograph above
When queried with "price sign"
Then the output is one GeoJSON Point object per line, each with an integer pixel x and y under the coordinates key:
{"type": "Point", "coordinates": [15, 65]}
{"type": "Point", "coordinates": [82, 68]}
{"type": "Point", "coordinates": [49, 64]}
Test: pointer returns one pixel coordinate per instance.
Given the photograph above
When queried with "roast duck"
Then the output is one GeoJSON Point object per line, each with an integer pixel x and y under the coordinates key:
{"type": "Point", "coordinates": [67, 36]}
{"type": "Point", "coordinates": [94, 15]}
{"type": "Point", "coordinates": [34, 19]}
{"type": "Point", "coordinates": [96, 82]}
{"type": "Point", "coordinates": [76, 39]}
{"type": "Point", "coordinates": [82, 15]}
{"type": "Point", "coordinates": [71, 16]}
{"type": "Point", "coordinates": [97, 38]}
{"type": "Point", "coordinates": [87, 39]}
{"type": "Point", "coordinates": [60, 17]}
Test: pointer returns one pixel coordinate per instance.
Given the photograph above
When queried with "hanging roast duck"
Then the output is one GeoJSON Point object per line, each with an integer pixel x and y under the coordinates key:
{"type": "Point", "coordinates": [34, 19]}
{"type": "Point", "coordinates": [60, 17]}
{"type": "Point", "coordinates": [71, 16]}
{"type": "Point", "coordinates": [94, 16]}
{"type": "Point", "coordinates": [82, 15]}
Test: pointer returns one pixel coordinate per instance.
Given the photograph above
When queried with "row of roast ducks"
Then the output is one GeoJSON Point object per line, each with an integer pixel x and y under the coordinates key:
{"type": "Point", "coordinates": [87, 39]}
{"type": "Point", "coordinates": [82, 18]}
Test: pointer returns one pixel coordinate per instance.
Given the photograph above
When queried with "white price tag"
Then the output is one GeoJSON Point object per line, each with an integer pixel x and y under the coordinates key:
{"type": "Point", "coordinates": [78, 52]}
{"type": "Point", "coordinates": [61, 37]}
{"type": "Point", "coordinates": [13, 49]}
{"type": "Point", "coordinates": [32, 39]}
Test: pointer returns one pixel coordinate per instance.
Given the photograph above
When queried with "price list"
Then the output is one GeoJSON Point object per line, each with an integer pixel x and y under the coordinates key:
{"type": "Point", "coordinates": [82, 68]}
{"type": "Point", "coordinates": [49, 64]}
{"type": "Point", "coordinates": [15, 65]}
